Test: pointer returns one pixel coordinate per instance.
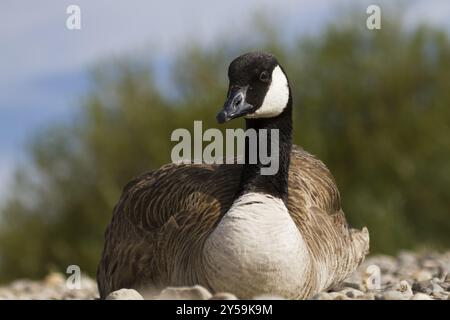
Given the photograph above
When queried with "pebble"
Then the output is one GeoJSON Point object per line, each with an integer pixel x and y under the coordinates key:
{"type": "Point", "coordinates": [185, 293]}
{"type": "Point", "coordinates": [423, 286]}
{"type": "Point", "coordinates": [124, 294]}
{"type": "Point", "coordinates": [352, 293]}
{"type": "Point", "coordinates": [223, 296]}
{"type": "Point", "coordinates": [6, 294]}
{"type": "Point", "coordinates": [55, 279]}
{"type": "Point", "coordinates": [23, 286]}
{"type": "Point", "coordinates": [437, 288]}
{"type": "Point", "coordinates": [352, 285]}
{"type": "Point", "coordinates": [388, 279]}
{"type": "Point", "coordinates": [394, 295]}
{"type": "Point", "coordinates": [366, 296]}
{"type": "Point", "coordinates": [445, 286]}
{"type": "Point", "coordinates": [322, 296]}
{"type": "Point", "coordinates": [404, 288]}
{"type": "Point", "coordinates": [406, 258]}
{"type": "Point", "coordinates": [421, 296]}
{"type": "Point", "coordinates": [268, 297]}
{"type": "Point", "coordinates": [387, 264]}
{"type": "Point", "coordinates": [422, 275]}
{"type": "Point", "coordinates": [380, 296]}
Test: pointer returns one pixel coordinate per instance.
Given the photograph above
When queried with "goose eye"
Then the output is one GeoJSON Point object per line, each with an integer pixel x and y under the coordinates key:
{"type": "Point", "coordinates": [264, 76]}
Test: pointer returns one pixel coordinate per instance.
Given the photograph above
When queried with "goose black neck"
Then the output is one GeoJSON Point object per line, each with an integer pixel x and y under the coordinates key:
{"type": "Point", "coordinates": [276, 184]}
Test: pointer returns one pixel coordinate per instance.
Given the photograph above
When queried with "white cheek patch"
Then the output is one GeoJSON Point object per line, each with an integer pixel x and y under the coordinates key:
{"type": "Point", "coordinates": [276, 98]}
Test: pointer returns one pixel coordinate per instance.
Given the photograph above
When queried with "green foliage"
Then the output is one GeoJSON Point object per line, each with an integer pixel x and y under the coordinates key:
{"type": "Point", "coordinates": [373, 105]}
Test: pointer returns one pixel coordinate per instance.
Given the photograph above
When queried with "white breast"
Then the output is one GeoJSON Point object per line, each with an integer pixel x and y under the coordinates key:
{"type": "Point", "coordinates": [256, 249]}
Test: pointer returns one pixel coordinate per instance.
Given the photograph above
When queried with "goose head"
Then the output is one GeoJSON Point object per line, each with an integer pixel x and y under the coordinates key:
{"type": "Point", "coordinates": [258, 88]}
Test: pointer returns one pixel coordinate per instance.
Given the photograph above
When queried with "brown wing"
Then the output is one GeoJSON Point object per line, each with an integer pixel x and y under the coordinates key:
{"type": "Point", "coordinates": [157, 212]}
{"type": "Point", "coordinates": [311, 183]}
{"type": "Point", "coordinates": [314, 205]}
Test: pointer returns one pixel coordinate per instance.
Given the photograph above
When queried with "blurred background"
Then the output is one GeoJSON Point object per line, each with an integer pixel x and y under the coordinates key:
{"type": "Point", "coordinates": [82, 112]}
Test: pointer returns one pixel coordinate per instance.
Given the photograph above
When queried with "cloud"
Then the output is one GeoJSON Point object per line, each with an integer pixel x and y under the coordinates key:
{"type": "Point", "coordinates": [436, 13]}
{"type": "Point", "coordinates": [44, 64]}
{"type": "Point", "coordinates": [38, 41]}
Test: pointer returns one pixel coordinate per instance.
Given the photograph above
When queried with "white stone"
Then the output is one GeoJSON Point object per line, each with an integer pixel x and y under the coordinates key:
{"type": "Point", "coordinates": [124, 294]}
{"type": "Point", "coordinates": [404, 287]}
{"type": "Point", "coordinates": [394, 295]}
{"type": "Point", "coordinates": [268, 297]}
{"type": "Point", "coordinates": [223, 296]}
{"type": "Point", "coordinates": [185, 293]}
{"type": "Point", "coordinates": [421, 296]}
{"type": "Point", "coordinates": [422, 275]}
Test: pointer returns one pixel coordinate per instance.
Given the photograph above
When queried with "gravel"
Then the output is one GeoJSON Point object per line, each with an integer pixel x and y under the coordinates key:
{"type": "Point", "coordinates": [125, 294]}
{"type": "Point", "coordinates": [408, 276]}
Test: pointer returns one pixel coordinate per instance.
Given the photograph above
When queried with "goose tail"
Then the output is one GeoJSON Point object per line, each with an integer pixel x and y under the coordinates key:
{"type": "Point", "coordinates": [360, 239]}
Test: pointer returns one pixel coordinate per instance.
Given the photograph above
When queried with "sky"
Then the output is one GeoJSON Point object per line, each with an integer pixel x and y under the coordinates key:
{"type": "Point", "coordinates": [44, 67]}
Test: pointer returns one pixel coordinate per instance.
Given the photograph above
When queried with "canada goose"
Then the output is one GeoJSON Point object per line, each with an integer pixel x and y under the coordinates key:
{"type": "Point", "coordinates": [227, 227]}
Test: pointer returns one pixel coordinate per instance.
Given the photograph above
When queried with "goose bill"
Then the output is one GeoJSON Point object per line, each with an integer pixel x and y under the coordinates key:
{"type": "Point", "coordinates": [235, 106]}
